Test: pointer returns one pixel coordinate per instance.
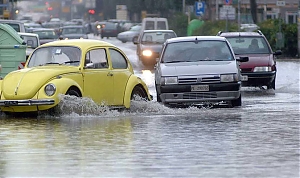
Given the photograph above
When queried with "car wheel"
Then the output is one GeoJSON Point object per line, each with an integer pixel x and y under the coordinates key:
{"type": "Point", "coordinates": [72, 92]}
{"type": "Point", "coordinates": [237, 102]}
{"type": "Point", "coordinates": [271, 85]}
{"type": "Point", "coordinates": [138, 93]}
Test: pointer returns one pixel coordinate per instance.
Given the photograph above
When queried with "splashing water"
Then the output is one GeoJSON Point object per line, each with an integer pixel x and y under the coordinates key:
{"type": "Point", "coordinates": [83, 106]}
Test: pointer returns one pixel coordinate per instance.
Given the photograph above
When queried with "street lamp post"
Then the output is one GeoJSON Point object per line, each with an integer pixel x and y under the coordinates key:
{"type": "Point", "coordinates": [298, 28]}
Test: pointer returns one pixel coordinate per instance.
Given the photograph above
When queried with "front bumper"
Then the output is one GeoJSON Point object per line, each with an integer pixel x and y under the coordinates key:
{"type": "Point", "coordinates": [30, 102]}
{"type": "Point", "coordinates": [259, 78]}
{"type": "Point", "coordinates": [182, 94]}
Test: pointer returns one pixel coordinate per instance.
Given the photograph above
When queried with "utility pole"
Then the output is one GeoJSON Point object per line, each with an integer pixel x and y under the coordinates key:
{"type": "Point", "coordinates": [298, 28]}
{"type": "Point", "coordinates": [183, 6]}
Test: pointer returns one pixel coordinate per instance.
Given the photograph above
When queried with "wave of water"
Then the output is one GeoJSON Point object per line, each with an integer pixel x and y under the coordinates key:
{"type": "Point", "coordinates": [86, 107]}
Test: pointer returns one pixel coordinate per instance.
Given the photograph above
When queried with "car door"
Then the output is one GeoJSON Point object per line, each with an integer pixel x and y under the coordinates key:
{"type": "Point", "coordinates": [98, 77]}
{"type": "Point", "coordinates": [121, 74]}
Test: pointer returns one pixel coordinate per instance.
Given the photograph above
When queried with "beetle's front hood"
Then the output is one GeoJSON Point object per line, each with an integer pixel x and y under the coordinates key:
{"type": "Point", "coordinates": [198, 68]}
{"type": "Point", "coordinates": [25, 83]}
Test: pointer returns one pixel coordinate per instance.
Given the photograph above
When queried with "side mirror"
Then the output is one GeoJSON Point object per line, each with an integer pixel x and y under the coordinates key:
{"type": "Point", "coordinates": [135, 41]}
{"type": "Point", "coordinates": [278, 52]}
{"type": "Point", "coordinates": [243, 59]}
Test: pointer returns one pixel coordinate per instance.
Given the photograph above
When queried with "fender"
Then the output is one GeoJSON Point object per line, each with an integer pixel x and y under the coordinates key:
{"type": "Point", "coordinates": [132, 82]}
{"type": "Point", "coordinates": [62, 86]}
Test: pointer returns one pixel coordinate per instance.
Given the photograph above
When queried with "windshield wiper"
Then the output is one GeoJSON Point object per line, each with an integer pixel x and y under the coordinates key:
{"type": "Point", "coordinates": [50, 63]}
{"type": "Point", "coordinates": [175, 61]}
{"type": "Point", "coordinates": [68, 62]}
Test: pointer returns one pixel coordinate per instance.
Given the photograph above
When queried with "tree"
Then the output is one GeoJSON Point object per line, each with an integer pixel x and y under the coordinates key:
{"type": "Point", "coordinates": [253, 8]}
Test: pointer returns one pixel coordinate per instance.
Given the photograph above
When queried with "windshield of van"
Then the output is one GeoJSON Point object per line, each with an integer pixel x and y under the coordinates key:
{"type": "Point", "coordinates": [157, 37]}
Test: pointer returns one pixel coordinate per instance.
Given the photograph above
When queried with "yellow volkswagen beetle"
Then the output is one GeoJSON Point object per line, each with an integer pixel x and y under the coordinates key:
{"type": "Point", "coordinates": [83, 68]}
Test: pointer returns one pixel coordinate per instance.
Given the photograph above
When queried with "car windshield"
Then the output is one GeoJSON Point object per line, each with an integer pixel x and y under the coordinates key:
{"type": "Point", "coordinates": [66, 31]}
{"type": "Point", "coordinates": [193, 51]}
{"type": "Point", "coordinates": [46, 34]}
{"type": "Point", "coordinates": [249, 45]}
{"type": "Point", "coordinates": [157, 37]}
{"type": "Point", "coordinates": [62, 55]}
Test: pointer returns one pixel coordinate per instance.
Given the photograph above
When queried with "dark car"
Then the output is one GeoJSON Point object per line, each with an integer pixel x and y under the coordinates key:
{"type": "Point", "coordinates": [149, 44]}
{"type": "Point", "coordinates": [46, 35]}
{"type": "Point", "coordinates": [197, 70]}
{"type": "Point", "coordinates": [109, 29]}
{"type": "Point", "coordinates": [73, 32]}
{"type": "Point", "coordinates": [261, 69]}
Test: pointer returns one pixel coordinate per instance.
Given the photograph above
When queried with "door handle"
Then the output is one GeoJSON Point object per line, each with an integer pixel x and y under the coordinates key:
{"type": "Point", "coordinates": [110, 74]}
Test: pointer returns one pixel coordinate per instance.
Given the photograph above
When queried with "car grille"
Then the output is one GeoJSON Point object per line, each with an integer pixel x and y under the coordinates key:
{"type": "Point", "coordinates": [193, 80]}
{"type": "Point", "coordinates": [246, 70]}
{"type": "Point", "coordinates": [199, 95]}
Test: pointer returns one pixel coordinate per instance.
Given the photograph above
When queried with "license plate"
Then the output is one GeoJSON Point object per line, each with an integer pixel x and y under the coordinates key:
{"type": "Point", "coordinates": [244, 78]}
{"type": "Point", "coordinates": [10, 103]}
{"type": "Point", "coordinates": [199, 88]}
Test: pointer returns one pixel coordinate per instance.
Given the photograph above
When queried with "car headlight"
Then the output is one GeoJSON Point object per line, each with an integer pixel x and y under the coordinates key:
{"type": "Point", "coordinates": [262, 69]}
{"type": "Point", "coordinates": [50, 89]}
{"type": "Point", "coordinates": [66, 38]}
{"type": "Point", "coordinates": [169, 80]}
{"type": "Point", "coordinates": [147, 53]}
{"type": "Point", "coordinates": [229, 77]}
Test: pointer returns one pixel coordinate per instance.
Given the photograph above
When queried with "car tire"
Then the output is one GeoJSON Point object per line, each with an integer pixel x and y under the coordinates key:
{"type": "Point", "coordinates": [123, 41]}
{"type": "Point", "coordinates": [72, 92]}
{"type": "Point", "coordinates": [271, 85]}
{"type": "Point", "coordinates": [237, 102]}
{"type": "Point", "coordinates": [138, 92]}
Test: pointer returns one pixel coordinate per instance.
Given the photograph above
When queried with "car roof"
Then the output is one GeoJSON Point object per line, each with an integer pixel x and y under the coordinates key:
{"type": "Point", "coordinates": [28, 34]}
{"type": "Point", "coordinates": [158, 31]}
{"type": "Point", "coordinates": [10, 21]}
{"type": "Point", "coordinates": [43, 29]}
{"type": "Point", "coordinates": [73, 26]}
{"type": "Point", "coordinates": [81, 43]}
{"type": "Point", "coordinates": [234, 34]}
{"type": "Point", "coordinates": [195, 38]}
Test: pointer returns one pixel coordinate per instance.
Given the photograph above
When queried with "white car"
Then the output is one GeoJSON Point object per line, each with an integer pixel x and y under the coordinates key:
{"type": "Point", "coordinates": [197, 70]}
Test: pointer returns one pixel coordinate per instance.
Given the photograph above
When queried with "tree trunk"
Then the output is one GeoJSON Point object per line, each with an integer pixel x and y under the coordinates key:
{"type": "Point", "coordinates": [253, 9]}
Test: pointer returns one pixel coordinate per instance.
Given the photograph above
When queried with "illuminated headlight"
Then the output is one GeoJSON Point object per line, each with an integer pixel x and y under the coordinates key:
{"type": "Point", "coordinates": [81, 38]}
{"type": "Point", "coordinates": [229, 78]}
{"type": "Point", "coordinates": [147, 53]}
{"type": "Point", "coordinates": [66, 38]}
{"type": "Point", "coordinates": [262, 69]}
{"type": "Point", "coordinates": [169, 80]}
{"type": "Point", "coordinates": [50, 89]}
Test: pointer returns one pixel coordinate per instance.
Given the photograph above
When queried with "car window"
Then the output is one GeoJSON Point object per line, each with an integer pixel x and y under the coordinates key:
{"type": "Point", "coordinates": [14, 26]}
{"type": "Point", "coordinates": [96, 57]}
{"type": "Point", "coordinates": [249, 45]}
{"type": "Point", "coordinates": [30, 41]}
{"type": "Point", "coordinates": [117, 59]}
{"type": "Point", "coordinates": [72, 31]}
{"type": "Point", "coordinates": [157, 37]}
{"type": "Point", "coordinates": [62, 55]}
{"type": "Point", "coordinates": [46, 34]}
{"type": "Point", "coordinates": [191, 51]}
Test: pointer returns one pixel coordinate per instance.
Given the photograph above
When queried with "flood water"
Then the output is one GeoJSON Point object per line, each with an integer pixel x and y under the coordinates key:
{"type": "Point", "coordinates": [259, 139]}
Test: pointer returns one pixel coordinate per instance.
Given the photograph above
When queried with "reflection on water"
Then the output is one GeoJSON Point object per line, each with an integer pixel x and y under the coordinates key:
{"type": "Point", "coordinates": [151, 140]}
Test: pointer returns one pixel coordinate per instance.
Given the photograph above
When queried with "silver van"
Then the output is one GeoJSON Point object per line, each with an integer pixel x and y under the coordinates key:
{"type": "Point", "coordinates": [155, 23]}
{"type": "Point", "coordinates": [15, 24]}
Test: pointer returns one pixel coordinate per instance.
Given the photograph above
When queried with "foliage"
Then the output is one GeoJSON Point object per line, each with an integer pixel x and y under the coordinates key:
{"type": "Point", "coordinates": [271, 27]}
{"type": "Point", "coordinates": [213, 27]}
{"type": "Point", "coordinates": [179, 23]}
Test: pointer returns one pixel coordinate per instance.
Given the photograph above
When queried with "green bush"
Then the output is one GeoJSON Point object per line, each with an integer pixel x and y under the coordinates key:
{"type": "Point", "coordinates": [271, 27]}
{"type": "Point", "coordinates": [213, 27]}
